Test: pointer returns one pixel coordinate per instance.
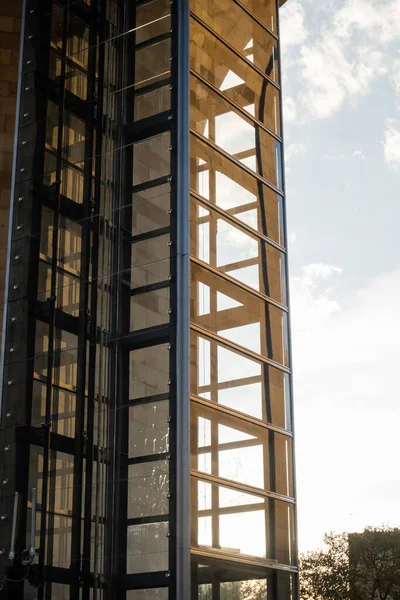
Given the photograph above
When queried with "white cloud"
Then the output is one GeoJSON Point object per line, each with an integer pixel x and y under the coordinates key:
{"type": "Point", "coordinates": [292, 25]}
{"type": "Point", "coordinates": [330, 76]}
{"type": "Point", "coordinates": [378, 19]}
{"type": "Point", "coordinates": [293, 151]}
{"type": "Point", "coordinates": [394, 77]}
{"type": "Point", "coordinates": [346, 382]}
{"type": "Point", "coordinates": [358, 154]}
{"type": "Point", "coordinates": [289, 110]}
{"type": "Point", "coordinates": [391, 144]}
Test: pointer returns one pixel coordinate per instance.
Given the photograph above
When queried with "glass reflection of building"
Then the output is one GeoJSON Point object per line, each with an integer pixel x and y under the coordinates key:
{"type": "Point", "coordinates": [146, 434]}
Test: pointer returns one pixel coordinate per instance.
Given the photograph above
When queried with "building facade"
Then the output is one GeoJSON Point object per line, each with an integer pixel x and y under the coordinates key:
{"type": "Point", "coordinates": [146, 441]}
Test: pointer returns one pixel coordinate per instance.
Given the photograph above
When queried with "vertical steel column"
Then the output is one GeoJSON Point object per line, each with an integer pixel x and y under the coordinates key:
{"type": "Point", "coordinates": [181, 106]}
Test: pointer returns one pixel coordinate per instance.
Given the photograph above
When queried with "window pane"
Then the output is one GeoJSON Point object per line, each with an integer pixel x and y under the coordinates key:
{"type": "Point", "coordinates": [151, 594]}
{"type": "Point", "coordinates": [150, 261]}
{"type": "Point", "coordinates": [152, 62]}
{"type": "Point", "coordinates": [230, 448]}
{"type": "Point", "coordinates": [241, 31]}
{"type": "Point", "coordinates": [151, 158]}
{"type": "Point", "coordinates": [149, 310]}
{"type": "Point", "coordinates": [239, 522]}
{"type": "Point", "coordinates": [265, 10]}
{"type": "Point", "coordinates": [234, 77]}
{"type": "Point", "coordinates": [237, 315]}
{"type": "Point", "coordinates": [230, 249]}
{"type": "Point", "coordinates": [150, 209]}
{"type": "Point", "coordinates": [220, 181]}
{"type": "Point", "coordinates": [215, 119]}
{"type": "Point", "coordinates": [152, 102]}
{"type": "Point", "coordinates": [149, 371]}
{"type": "Point", "coordinates": [152, 19]}
{"type": "Point", "coordinates": [147, 548]}
{"type": "Point", "coordinates": [148, 485]}
{"type": "Point", "coordinates": [238, 382]}
{"type": "Point", "coordinates": [148, 429]}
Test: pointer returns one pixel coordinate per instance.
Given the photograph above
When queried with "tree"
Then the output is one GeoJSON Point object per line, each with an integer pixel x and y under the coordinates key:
{"type": "Point", "coordinates": [324, 574]}
{"type": "Point", "coordinates": [355, 566]}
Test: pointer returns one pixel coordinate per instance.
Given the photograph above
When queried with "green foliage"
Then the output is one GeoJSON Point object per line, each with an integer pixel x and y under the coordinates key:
{"type": "Point", "coordinates": [355, 566]}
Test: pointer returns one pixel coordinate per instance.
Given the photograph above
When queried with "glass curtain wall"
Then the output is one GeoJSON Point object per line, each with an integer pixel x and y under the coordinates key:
{"type": "Point", "coordinates": [242, 490]}
{"type": "Point", "coordinates": [87, 435]}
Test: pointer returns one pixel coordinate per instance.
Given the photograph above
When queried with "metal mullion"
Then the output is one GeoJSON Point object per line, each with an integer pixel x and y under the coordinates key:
{"type": "Point", "coordinates": [235, 221]}
{"type": "Point", "coordinates": [235, 106]}
{"type": "Point", "coordinates": [237, 283]}
{"type": "Point", "coordinates": [253, 16]}
{"type": "Point", "coordinates": [153, 86]}
{"type": "Point", "coordinates": [150, 234]}
{"type": "Point", "coordinates": [148, 185]}
{"type": "Point", "coordinates": [148, 458]}
{"type": "Point", "coordinates": [150, 399]}
{"type": "Point", "coordinates": [151, 287]}
{"type": "Point", "coordinates": [52, 319]}
{"type": "Point", "coordinates": [243, 559]}
{"type": "Point", "coordinates": [235, 161]}
{"type": "Point", "coordinates": [239, 349]}
{"type": "Point", "coordinates": [146, 520]}
{"type": "Point", "coordinates": [233, 50]}
{"type": "Point", "coordinates": [154, 40]}
{"type": "Point", "coordinates": [240, 416]}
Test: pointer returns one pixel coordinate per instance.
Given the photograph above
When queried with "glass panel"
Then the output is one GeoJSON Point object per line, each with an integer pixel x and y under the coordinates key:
{"type": "Point", "coordinates": [148, 485]}
{"type": "Point", "coordinates": [150, 209]}
{"type": "Point", "coordinates": [148, 429]}
{"type": "Point", "coordinates": [62, 409]}
{"type": "Point", "coordinates": [238, 382]}
{"type": "Point", "coordinates": [150, 594]}
{"type": "Point", "coordinates": [237, 522]}
{"type": "Point", "coordinates": [58, 591]}
{"type": "Point", "coordinates": [149, 371]}
{"type": "Point", "coordinates": [147, 548]}
{"type": "Point", "coordinates": [151, 158]}
{"type": "Point", "coordinates": [154, 14]}
{"type": "Point", "coordinates": [241, 31]}
{"type": "Point", "coordinates": [227, 447]}
{"type": "Point", "coordinates": [234, 77]}
{"type": "Point", "coordinates": [230, 249]}
{"type": "Point", "coordinates": [265, 10]}
{"type": "Point", "coordinates": [237, 315]}
{"type": "Point", "coordinates": [152, 62]}
{"type": "Point", "coordinates": [149, 310]}
{"type": "Point", "coordinates": [215, 119]}
{"type": "Point", "coordinates": [150, 261]}
{"type": "Point", "coordinates": [152, 102]}
{"type": "Point", "coordinates": [232, 581]}
{"type": "Point", "coordinates": [223, 183]}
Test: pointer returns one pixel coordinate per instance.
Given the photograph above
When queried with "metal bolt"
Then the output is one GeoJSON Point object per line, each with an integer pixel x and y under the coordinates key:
{"type": "Point", "coordinates": [13, 319]}
{"type": "Point", "coordinates": [24, 142]}
{"type": "Point", "coordinates": [30, 37]}
{"type": "Point", "coordinates": [32, 11]}
{"type": "Point", "coordinates": [168, 534]}
{"type": "Point", "coordinates": [19, 227]}
{"type": "Point", "coordinates": [169, 117]}
{"type": "Point", "coordinates": [28, 62]}
{"type": "Point", "coordinates": [169, 178]}
{"type": "Point", "coordinates": [169, 346]}
{"type": "Point", "coordinates": [28, 88]}
{"type": "Point", "coordinates": [171, 58]}
{"type": "Point", "coordinates": [170, 148]}
{"type": "Point", "coordinates": [170, 211]}
{"type": "Point", "coordinates": [22, 169]}
{"type": "Point", "coordinates": [169, 419]}
{"type": "Point", "coordinates": [169, 382]}
{"type": "Point", "coordinates": [5, 481]}
{"type": "Point", "coordinates": [12, 349]}
{"type": "Point", "coordinates": [20, 199]}
{"type": "Point", "coordinates": [169, 277]}
{"type": "Point", "coordinates": [170, 311]}
{"type": "Point", "coordinates": [169, 243]}
{"type": "Point", "coordinates": [17, 257]}
{"type": "Point", "coordinates": [6, 448]}
{"type": "Point", "coordinates": [169, 495]}
{"type": "Point", "coordinates": [10, 382]}
{"type": "Point", "coordinates": [26, 115]}
{"type": "Point", "coordinates": [171, 87]}
{"type": "Point", "coordinates": [15, 287]}
{"type": "Point", "coordinates": [8, 415]}
{"type": "Point", "coordinates": [168, 574]}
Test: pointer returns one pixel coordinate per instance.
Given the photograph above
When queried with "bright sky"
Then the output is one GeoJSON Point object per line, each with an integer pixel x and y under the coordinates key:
{"type": "Point", "coordinates": [341, 67]}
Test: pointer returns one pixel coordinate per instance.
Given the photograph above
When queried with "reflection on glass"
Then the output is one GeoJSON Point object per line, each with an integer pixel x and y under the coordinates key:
{"type": "Point", "coordinates": [150, 209]}
{"type": "Point", "coordinates": [242, 32]}
{"type": "Point", "coordinates": [149, 371]}
{"type": "Point", "coordinates": [227, 447]}
{"type": "Point", "coordinates": [152, 62]}
{"type": "Point", "coordinates": [223, 183]}
{"type": "Point", "coordinates": [152, 19]}
{"type": "Point", "coordinates": [230, 249]}
{"type": "Point", "coordinates": [149, 309]}
{"type": "Point", "coordinates": [215, 119]}
{"type": "Point", "coordinates": [150, 261]}
{"type": "Point", "coordinates": [151, 158]}
{"type": "Point", "coordinates": [231, 581]}
{"type": "Point", "coordinates": [148, 485]}
{"type": "Point", "coordinates": [149, 101]}
{"type": "Point", "coordinates": [237, 315]}
{"type": "Point", "coordinates": [148, 429]}
{"type": "Point", "coordinates": [241, 523]}
{"type": "Point", "coordinates": [234, 77]}
{"type": "Point", "coordinates": [150, 594]}
{"type": "Point", "coordinates": [147, 548]}
{"type": "Point", "coordinates": [239, 382]}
